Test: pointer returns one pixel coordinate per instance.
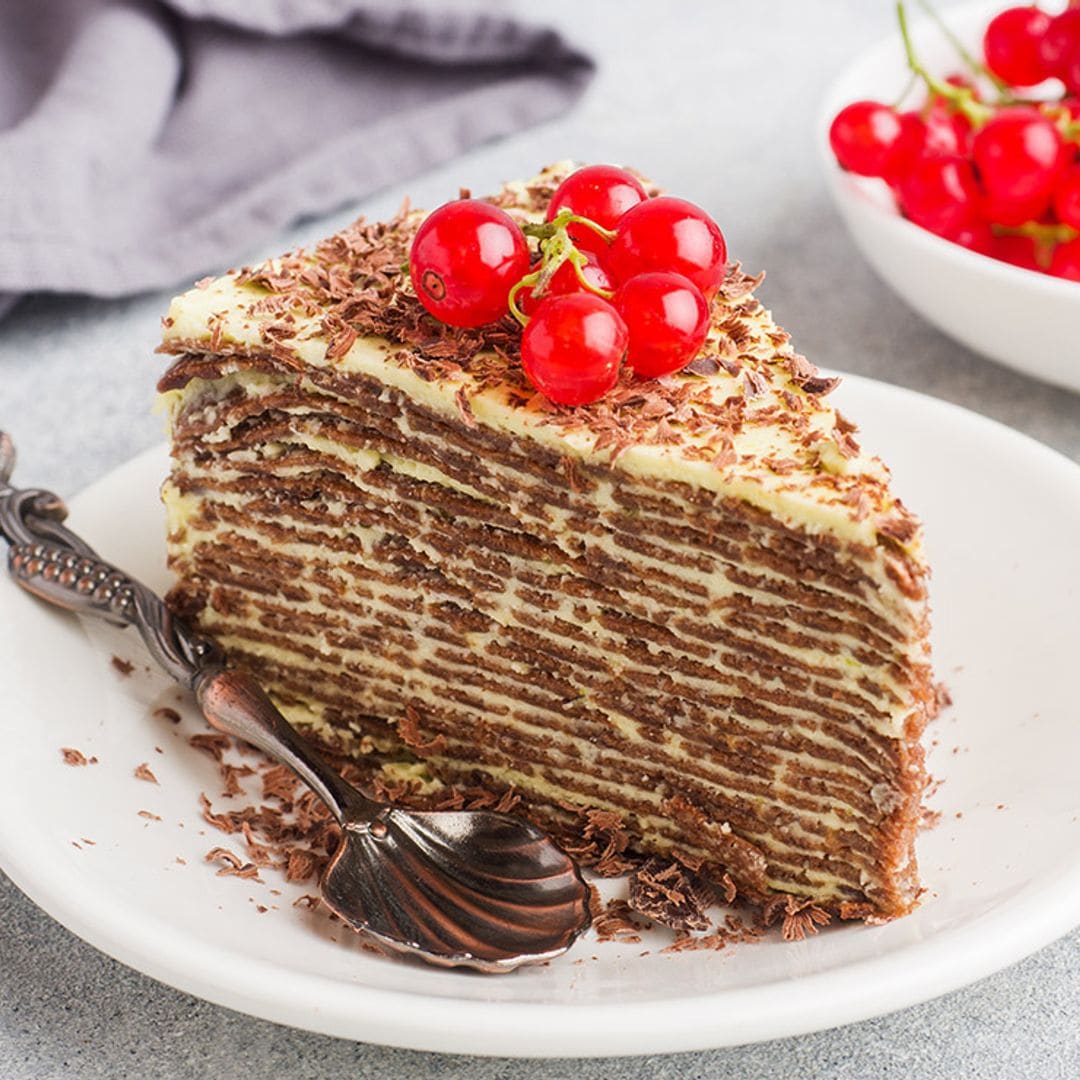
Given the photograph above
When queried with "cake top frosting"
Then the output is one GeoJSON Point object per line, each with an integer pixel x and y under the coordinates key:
{"type": "Point", "coordinates": [748, 417]}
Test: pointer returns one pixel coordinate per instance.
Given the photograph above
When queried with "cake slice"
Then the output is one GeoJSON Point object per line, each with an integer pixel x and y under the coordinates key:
{"type": "Point", "coordinates": [695, 603]}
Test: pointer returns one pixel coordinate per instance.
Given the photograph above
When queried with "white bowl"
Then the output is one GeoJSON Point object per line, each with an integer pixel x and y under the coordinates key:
{"type": "Point", "coordinates": [1026, 320]}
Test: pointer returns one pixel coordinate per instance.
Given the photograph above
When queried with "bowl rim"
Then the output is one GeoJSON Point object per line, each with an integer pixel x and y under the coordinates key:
{"type": "Point", "coordinates": [957, 17]}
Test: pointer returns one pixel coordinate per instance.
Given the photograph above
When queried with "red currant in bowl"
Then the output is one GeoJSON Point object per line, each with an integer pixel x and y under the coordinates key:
{"type": "Point", "coordinates": [601, 193]}
{"type": "Point", "coordinates": [1019, 154]}
{"type": "Point", "coordinates": [1065, 262]}
{"type": "Point", "coordinates": [464, 259]}
{"type": "Point", "coordinates": [940, 194]}
{"type": "Point", "coordinates": [1067, 197]}
{"type": "Point", "coordinates": [670, 234]}
{"type": "Point", "coordinates": [667, 318]}
{"type": "Point", "coordinates": [1059, 48]}
{"type": "Point", "coordinates": [1012, 45]}
{"type": "Point", "coordinates": [572, 347]}
{"type": "Point", "coordinates": [865, 137]}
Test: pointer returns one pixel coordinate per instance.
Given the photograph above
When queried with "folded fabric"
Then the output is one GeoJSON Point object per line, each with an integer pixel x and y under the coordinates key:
{"type": "Point", "coordinates": [144, 142]}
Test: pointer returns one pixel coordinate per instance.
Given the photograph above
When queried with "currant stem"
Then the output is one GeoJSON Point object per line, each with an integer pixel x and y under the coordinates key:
{"type": "Point", "coordinates": [962, 99]}
{"type": "Point", "coordinates": [544, 230]}
{"type": "Point", "coordinates": [973, 65]}
{"type": "Point", "coordinates": [511, 300]}
{"type": "Point", "coordinates": [1039, 232]}
{"type": "Point", "coordinates": [578, 261]}
{"type": "Point", "coordinates": [556, 248]}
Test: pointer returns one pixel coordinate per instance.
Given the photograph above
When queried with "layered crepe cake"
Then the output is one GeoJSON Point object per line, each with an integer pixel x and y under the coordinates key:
{"type": "Point", "coordinates": [695, 604]}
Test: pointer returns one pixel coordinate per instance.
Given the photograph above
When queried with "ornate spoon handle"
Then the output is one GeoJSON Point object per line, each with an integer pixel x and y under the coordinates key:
{"type": "Point", "coordinates": [50, 561]}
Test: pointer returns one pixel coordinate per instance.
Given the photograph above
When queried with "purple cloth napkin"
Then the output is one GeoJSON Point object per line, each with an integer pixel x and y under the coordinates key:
{"type": "Point", "coordinates": [144, 142]}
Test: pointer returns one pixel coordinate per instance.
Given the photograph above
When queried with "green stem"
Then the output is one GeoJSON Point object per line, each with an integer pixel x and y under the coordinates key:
{"type": "Point", "coordinates": [975, 66]}
{"type": "Point", "coordinates": [1038, 231]}
{"type": "Point", "coordinates": [962, 99]}
{"type": "Point", "coordinates": [545, 230]}
{"type": "Point", "coordinates": [556, 248]}
{"type": "Point", "coordinates": [511, 300]}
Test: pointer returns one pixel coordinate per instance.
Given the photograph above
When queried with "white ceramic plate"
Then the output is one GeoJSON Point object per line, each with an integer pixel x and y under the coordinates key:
{"type": "Point", "coordinates": [1018, 317]}
{"type": "Point", "coordinates": [1003, 866]}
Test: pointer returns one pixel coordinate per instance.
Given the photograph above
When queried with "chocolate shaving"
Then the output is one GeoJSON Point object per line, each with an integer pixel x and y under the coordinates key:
{"type": "Point", "coordinates": [733, 931]}
{"type": "Point", "coordinates": [801, 916]}
{"type": "Point", "coordinates": [142, 772]}
{"type": "Point", "coordinates": [703, 365]}
{"type": "Point", "coordinates": [669, 893]}
{"type": "Point", "coordinates": [899, 528]}
{"type": "Point", "coordinates": [301, 865]}
{"type": "Point", "coordinates": [234, 865]}
{"type": "Point", "coordinates": [408, 729]}
{"type": "Point", "coordinates": [601, 842]}
{"type": "Point", "coordinates": [232, 774]}
{"type": "Point", "coordinates": [168, 714]}
{"type": "Point", "coordinates": [213, 744]}
{"type": "Point", "coordinates": [73, 756]}
{"type": "Point", "coordinates": [737, 285]}
{"type": "Point", "coordinates": [125, 667]}
{"type": "Point", "coordinates": [616, 923]}
{"type": "Point", "coordinates": [279, 782]}
{"type": "Point", "coordinates": [821, 385]}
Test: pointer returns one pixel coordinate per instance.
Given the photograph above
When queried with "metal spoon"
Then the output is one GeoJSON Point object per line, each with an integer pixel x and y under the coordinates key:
{"type": "Point", "coordinates": [470, 888]}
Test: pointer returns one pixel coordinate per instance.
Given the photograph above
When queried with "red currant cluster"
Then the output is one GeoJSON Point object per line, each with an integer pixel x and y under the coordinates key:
{"type": "Point", "coordinates": [617, 276]}
{"type": "Point", "coordinates": [1001, 177]}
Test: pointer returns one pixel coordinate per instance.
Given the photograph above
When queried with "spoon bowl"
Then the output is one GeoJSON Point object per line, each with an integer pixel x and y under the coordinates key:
{"type": "Point", "coordinates": [469, 887]}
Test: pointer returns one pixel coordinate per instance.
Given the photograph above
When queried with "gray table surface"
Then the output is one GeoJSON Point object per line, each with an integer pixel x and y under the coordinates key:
{"type": "Point", "coordinates": [718, 102]}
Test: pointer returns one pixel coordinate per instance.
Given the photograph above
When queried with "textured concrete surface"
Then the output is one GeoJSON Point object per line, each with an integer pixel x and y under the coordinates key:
{"type": "Point", "coordinates": [718, 101]}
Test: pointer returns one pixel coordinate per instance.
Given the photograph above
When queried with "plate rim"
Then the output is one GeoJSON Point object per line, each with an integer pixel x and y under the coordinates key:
{"type": "Point", "coordinates": [854, 991]}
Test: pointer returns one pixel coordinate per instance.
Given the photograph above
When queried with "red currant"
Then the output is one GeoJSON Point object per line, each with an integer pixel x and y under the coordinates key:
{"type": "Point", "coordinates": [1015, 250]}
{"type": "Point", "coordinates": [864, 136]}
{"type": "Point", "coordinates": [464, 260]}
{"type": "Point", "coordinates": [1065, 262]}
{"type": "Point", "coordinates": [1067, 197]}
{"type": "Point", "coordinates": [1060, 44]}
{"type": "Point", "coordinates": [1013, 212]}
{"type": "Point", "coordinates": [1070, 71]}
{"type": "Point", "coordinates": [940, 194]}
{"type": "Point", "coordinates": [975, 237]}
{"type": "Point", "coordinates": [668, 320]}
{"type": "Point", "coordinates": [910, 144]}
{"type": "Point", "coordinates": [946, 132]}
{"type": "Point", "coordinates": [565, 280]}
{"type": "Point", "coordinates": [670, 234]}
{"type": "Point", "coordinates": [601, 193]}
{"type": "Point", "coordinates": [572, 347]}
{"type": "Point", "coordinates": [1019, 154]}
{"type": "Point", "coordinates": [1012, 45]}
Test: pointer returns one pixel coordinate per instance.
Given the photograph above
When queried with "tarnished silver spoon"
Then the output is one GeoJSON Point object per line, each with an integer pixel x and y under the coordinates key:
{"type": "Point", "coordinates": [464, 888]}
